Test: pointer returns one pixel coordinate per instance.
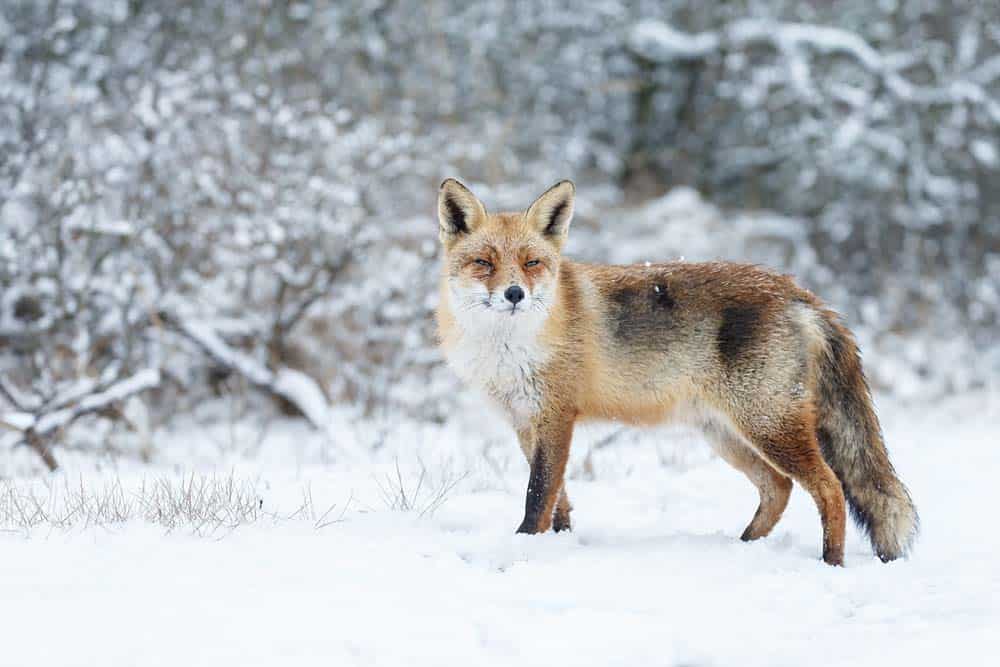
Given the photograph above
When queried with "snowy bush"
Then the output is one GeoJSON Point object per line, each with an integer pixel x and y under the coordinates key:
{"type": "Point", "coordinates": [199, 199]}
{"type": "Point", "coordinates": [876, 124]}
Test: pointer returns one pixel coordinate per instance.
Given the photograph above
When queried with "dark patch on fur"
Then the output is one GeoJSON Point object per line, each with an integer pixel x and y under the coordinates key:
{"type": "Point", "coordinates": [557, 210]}
{"type": "Point", "coordinates": [738, 328]}
{"type": "Point", "coordinates": [456, 216]}
{"type": "Point", "coordinates": [662, 298]}
{"type": "Point", "coordinates": [643, 314]}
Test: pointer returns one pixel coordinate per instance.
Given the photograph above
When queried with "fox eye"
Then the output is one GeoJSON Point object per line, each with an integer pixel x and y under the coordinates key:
{"type": "Point", "coordinates": [483, 262]}
{"type": "Point", "coordinates": [531, 263]}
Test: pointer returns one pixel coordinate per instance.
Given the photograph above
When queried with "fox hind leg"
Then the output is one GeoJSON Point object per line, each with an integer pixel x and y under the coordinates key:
{"type": "Point", "coordinates": [561, 520]}
{"type": "Point", "coordinates": [794, 451]}
{"type": "Point", "coordinates": [774, 488]}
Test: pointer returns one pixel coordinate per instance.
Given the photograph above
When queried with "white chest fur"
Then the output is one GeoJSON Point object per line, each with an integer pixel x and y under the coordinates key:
{"type": "Point", "coordinates": [505, 364]}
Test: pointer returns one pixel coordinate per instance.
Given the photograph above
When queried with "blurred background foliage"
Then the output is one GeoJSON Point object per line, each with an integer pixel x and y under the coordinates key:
{"type": "Point", "coordinates": [224, 196]}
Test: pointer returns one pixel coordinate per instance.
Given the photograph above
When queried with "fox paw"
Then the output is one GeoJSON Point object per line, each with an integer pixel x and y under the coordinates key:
{"type": "Point", "coordinates": [531, 526]}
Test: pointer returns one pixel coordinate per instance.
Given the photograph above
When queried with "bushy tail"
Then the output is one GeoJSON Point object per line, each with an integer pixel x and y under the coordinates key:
{"type": "Point", "coordinates": [851, 441]}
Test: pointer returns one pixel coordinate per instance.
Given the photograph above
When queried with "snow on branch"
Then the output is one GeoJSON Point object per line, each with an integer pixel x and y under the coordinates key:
{"type": "Point", "coordinates": [35, 428]}
{"type": "Point", "coordinates": [118, 391]}
{"type": "Point", "coordinates": [658, 42]}
{"type": "Point", "coordinates": [823, 39]}
{"type": "Point", "coordinates": [296, 387]}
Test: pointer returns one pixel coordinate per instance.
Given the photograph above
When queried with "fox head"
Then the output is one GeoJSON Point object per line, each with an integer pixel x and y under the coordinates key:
{"type": "Point", "coordinates": [501, 269]}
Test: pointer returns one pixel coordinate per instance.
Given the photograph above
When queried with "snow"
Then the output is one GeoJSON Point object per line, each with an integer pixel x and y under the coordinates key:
{"type": "Point", "coordinates": [985, 152]}
{"type": "Point", "coordinates": [822, 38]}
{"type": "Point", "coordinates": [144, 379]}
{"type": "Point", "coordinates": [304, 393]}
{"type": "Point", "coordinates": [21, 421]}
{"type": "Point", "coordinates": [122, 228]}
{"type": "Point", "coordinates": [654, 572]}
{"type": "Point", "coordinates": [661, 42]}
{"type": "Point", "coordinates": [206, 337]}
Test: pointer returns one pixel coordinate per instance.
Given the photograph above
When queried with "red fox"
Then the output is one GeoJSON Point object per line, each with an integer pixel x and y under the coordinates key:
{"type": "Point", "coordinates": [770, 374]}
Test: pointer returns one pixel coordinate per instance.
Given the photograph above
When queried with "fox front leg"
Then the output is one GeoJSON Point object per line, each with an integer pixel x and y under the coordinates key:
{"type": "Point", "coordinates": [552, 437]}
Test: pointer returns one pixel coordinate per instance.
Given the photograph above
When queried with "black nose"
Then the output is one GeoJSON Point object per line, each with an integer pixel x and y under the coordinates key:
{"type": "Point", "coordinates": [514, 294]}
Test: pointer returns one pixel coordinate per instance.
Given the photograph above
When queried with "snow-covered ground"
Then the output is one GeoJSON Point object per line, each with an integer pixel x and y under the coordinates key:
{"type": "Point", "coordinates": [654, 572]}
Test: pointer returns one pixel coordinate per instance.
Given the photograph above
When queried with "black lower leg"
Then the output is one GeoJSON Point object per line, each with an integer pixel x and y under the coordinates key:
{"type": "Point", "coordinates": [535, 500]}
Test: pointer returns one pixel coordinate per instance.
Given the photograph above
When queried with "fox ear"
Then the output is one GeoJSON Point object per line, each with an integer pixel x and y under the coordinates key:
{"type": "Point", "coordinates": [459, 211]}
{"type": "Point", "coordinates": [552, 212]}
